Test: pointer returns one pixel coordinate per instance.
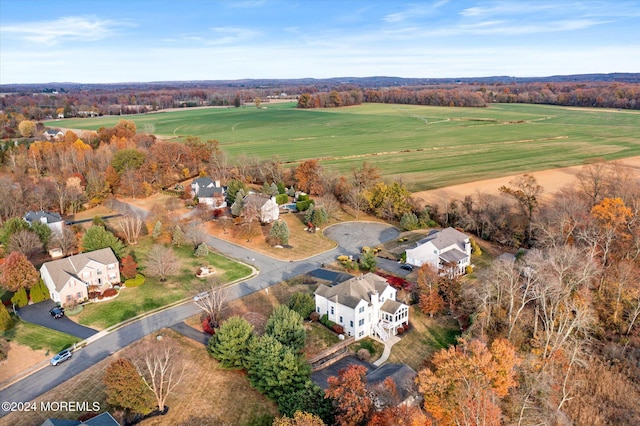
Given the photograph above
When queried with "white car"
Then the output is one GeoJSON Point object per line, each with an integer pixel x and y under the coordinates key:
{"type": "Point", "coordinates": [61, 357]}
{"type": "Point", "coordinates": [200, 296]}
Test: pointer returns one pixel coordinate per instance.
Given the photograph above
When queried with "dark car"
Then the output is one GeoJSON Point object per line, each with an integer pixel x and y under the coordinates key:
{"type": "Point", "coordinates": [61, 357]}
{"type": "Point", "coordinates": [56, 312]}
{"type": "Point", "coordinates": [406, 267]}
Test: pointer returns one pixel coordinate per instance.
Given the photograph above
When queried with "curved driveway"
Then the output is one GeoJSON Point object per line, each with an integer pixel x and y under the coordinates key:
{"type": "Point", "coordinates": [350, 236]}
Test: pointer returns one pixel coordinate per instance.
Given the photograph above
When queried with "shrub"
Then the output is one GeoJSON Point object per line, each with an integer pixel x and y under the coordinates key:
{"type": "Point", "coordinates": [206, 326]}
{"type": "Point", "coordinates": [343, 258]}
{"type": "Point", "coordinates": [366, 249]}
{"type": "Point", "coordinates": [134, 282]}
{"type": "Point", "coordinates": [20, 298]}
{"type": "Point", "coordinates": [282, 199]}
{"type": "Point", "coordinates": [303, 197]}
{"type": "Point", "coordinates": [314, 316]}
{"type": "Point", "coordinates": [109, 292]}
{"type": "Point", "coordinates": [363, 355]}
{"type": "Point", "coordinates": [400, 331]}
{"type": "Point", "coordinates": [468, 269]}
{"type": "Point", "coordinates": [475, 248]}
{"type": "Point", "coordinates": [409, 222]}
{"type": "Point", "coordinates": [201, 250]}
{"type": "Point", "coordinates": [94, 294]}
{"type": "Point", "coordinates": [303, 303]}
{"type": "Point", "coordinates": [368, 346]}
{"type": "Point", "coordinates": [337, 328]}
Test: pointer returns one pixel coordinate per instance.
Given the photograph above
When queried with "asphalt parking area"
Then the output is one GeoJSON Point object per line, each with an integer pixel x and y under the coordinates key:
{"type": "Point", "coordinates": [38, 313]}
{"type": "Point", "coordinates": [352, 236]}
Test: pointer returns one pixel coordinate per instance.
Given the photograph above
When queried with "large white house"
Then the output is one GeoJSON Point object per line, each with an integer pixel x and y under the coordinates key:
{"type": "Point", "coordinates": [68, 279]}
{"type": "Point", "coordinates": [209, 192]}
{"type": "Point", "coordinates": [447, 251]}
{"type": "Point", "coordinates": [365, 305]}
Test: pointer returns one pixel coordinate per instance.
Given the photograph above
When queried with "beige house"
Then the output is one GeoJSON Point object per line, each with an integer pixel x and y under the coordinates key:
{"type": "Point", "coordinates": [68, 279]}
{"type": "Point", "coordinates": [264, 206]}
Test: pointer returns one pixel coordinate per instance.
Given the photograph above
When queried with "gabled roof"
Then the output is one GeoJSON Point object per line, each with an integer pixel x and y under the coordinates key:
{"type": "Point", "coordinates": [51, 217]}
{"type": "Point", "coordinates": [207, 187]}
{"type": "Point", "coordinates": [53, 132]}
{"type": "Point", "coordinates": [257, 200]}
{"type": "Point", "coordinates": [62, 270]}
{"type": "Point", "coordinates": [401, 374]}
{"type": "Point", "coordinates": [351, 292]}
{"type": "Point", "coordinates": [445, 238]}
{"type": "Point", "coordinates": [203, 181]}
{"type": "Point", "coordinates": [102, 419]}
{"type": "Point", "coordinates": [391, 306]}
{"type": "Point", "coordinates": [453, 256]}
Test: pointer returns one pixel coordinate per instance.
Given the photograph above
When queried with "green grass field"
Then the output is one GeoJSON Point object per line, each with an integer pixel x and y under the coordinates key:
{"type": "Point", "coordinates": [429, 147]}
{"type": "Point", "coordinates": [38, 337]}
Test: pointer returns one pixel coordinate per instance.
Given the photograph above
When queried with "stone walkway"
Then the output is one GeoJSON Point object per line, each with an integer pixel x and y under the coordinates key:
{"type": "Point", "coordinates": [392, 340]}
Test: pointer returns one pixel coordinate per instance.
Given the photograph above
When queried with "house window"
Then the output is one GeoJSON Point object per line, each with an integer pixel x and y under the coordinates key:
{"type": "Point", "coordinates": [341, 319]}
{"type": "Point", "coordinates": [361, 334]}
{"type": "Point", "coordinates": [112, 266]}
{"type": "Point", "coordinates": [351, 324]}
{"type": "Point", "coordinates": [79, 296]}
{"type": "Point", "coordinates": [99, 272]}
{"type": "Point", "coordinates": [318, 309]}
{"type": "Point", "coordinates": [382, 299]}
{"type": "Point", "coordinates": [361, 322]}
{"type": "Point", "coordinates": [332, 312]}
{"type": "Point", "coordinates": [68, 298]}
{"type": "Point", "coordinates": [361, 310]}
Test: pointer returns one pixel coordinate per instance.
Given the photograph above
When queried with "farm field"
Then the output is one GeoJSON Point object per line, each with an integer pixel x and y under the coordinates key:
{"type": "Point", "coordinates": [428, 147]}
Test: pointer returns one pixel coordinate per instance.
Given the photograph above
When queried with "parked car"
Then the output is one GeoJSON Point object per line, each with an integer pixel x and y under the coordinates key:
{"type": "Point", "coordinates": [201, 296]}
{"type": "Point", "coordinates": [61, 357]}
{"type": "Point", "coordinates": [406, 267]}
{"type": "Point", "coordinates": [56, 312]}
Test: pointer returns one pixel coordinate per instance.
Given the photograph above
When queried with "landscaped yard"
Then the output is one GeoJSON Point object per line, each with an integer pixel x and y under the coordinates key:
{"type": "Point", "coordinates": [154, 293]}
{"type": "Point", "coordinates": [37, 337]}
{"type": "Point", "coordinates": [207, 393]}
{"type": "Point", "coordinates": [303, 244]}
{"type": "Point", "coordinates": [426, 336]}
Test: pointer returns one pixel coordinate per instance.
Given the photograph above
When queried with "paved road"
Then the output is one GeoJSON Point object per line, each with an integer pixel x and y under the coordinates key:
{"type": "Point", "coordinates": [38, 313]}
{"type": "Point", "coordinates": [272, 271]}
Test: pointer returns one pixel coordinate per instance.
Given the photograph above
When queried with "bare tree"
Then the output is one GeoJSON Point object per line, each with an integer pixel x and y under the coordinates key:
{"type": "Point", "coordinates": [25, 242]}
{"type": "Point", "coordinates": [161, 262]}
{"type": "Point", "coordinates": [525, 190]}
{"type": "Point", "coordinates": [131, 226]}
{"type": "Point", "coordinates": [212, 303]}
{"type": "Point", "coordinates": [161, 372]}
{"type": "Point", "coordinates": [67, 241]}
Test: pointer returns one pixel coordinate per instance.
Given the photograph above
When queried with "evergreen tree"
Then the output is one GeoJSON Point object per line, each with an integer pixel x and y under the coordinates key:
{"type": "Point", "coordinates": [274, 369]}
{"type": "Point", "coordinates": [129, 267]}
{"type": "Point", "coordinates": [39, 292]}
{"type": "Point", "coordinates": [303, 304]}
{"type": "Point", "coordinates": [98, 237]}
{"type": "Point", "coordinates": [11, 226]}
{"type": "Point", "coordinates": [310, 398]}
{"type": "Point", "coordinates": [280, 232]}
{"type": "Point", "coordinates": [178, 238]}
{"type": "Point", "coordinates": [287, 327]}
{"type": "Point", "coordinates": [6, 323]}
{"type": "Point", "coordinates": [157, 230]}
{"type": "Point", "coordinates": [233, 186]}
{"type": "Point", "coordinates": [43, 232]}
{"type": "Point", "coordinates": [409, 222]}
{"type": "Point", "coordinates": [202, 250]}
{"type": "Point", "coordinates": [20, 298]}
{"type": "Point", "coordinates": [317, 216]}
{"type": "Point", "coordinates": [230, 345]}
{"type": "Point", "coordinates": [368, 261]}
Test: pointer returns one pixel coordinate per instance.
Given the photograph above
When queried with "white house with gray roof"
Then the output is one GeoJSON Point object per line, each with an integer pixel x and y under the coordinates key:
{"type": "Point", "coordinates": [447, 251]}
{"type": "Point", "coordinates": [209, 192]}
{"type": "Point", "coordinates": [51, 219]}
{"type": "Point", "coordinates": [68, 279]}
{"type": "Point", "coordinates": [363, 305]}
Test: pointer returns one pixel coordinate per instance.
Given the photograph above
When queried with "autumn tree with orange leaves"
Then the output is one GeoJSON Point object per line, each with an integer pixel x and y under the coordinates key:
{"type": "Point", "coordinates": [351, 400]}
{"type": "Point", "coordinates": [467, 382]}
{"type": "Point", "coordinates": [308, 176]}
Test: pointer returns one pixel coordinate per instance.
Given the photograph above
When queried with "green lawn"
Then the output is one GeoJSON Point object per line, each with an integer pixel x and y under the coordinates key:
{"type": "Point", "coordinates": [38, 337]}
{"type": "Point", "coordinates": [426, 337]}
{"type": "Point", "coordinates": [154, 294]}
{"type": "Point", "coordinates": [430, 147]}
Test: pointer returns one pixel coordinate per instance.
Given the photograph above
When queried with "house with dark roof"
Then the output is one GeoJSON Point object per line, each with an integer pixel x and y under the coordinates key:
{"type": "Point", "coordinates": [365, 305]}
{"type": "Point", "coordinates": [51, 219]}
{"type": "Point", "coordinates": [69, 279]}
{"type": "Point", "coordinates": [447, 251]}
{"type": "Point", "coordinates": [404, 380]}
{"type": "Point", "coordinates": [209, 192]}
{"type": "Point", "coordinates": [102, 419]}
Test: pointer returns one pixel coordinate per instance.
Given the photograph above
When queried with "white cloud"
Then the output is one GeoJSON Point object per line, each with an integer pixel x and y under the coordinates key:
{"type": "Point", "coordinates": [70, 28]}
{"type": "Point", "coordinates": [230, 35]}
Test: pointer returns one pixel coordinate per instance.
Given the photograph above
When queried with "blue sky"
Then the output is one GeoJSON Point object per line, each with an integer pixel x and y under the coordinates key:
{"type": "Point", "coordinates": [148, 40]}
